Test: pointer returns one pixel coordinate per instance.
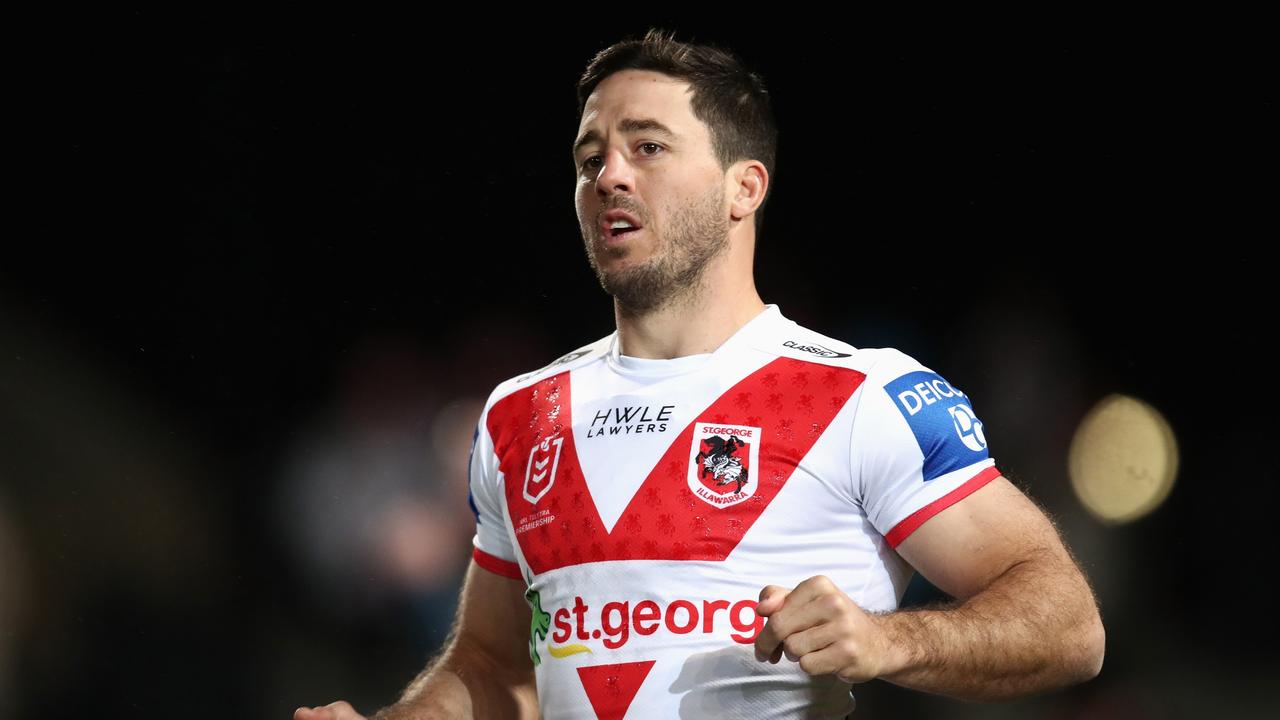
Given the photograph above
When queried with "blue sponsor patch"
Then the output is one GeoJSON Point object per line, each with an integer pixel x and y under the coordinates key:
{"type": "Point", "coordinates": [949, 434]}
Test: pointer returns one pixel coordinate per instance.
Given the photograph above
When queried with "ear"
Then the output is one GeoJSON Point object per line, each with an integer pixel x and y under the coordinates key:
{"type": "Point", "coordinates": [749, 181]}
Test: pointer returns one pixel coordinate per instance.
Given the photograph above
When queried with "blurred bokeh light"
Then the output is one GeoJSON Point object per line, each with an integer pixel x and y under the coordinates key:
{"type": "Point", "coordinates": [1123, 459]}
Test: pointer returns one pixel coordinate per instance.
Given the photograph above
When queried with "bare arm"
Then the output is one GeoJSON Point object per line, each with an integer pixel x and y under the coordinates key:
{"type": "Point", "coordinates": [1024, 620]}
{"type": "Point", "coordinates": [484, 672]}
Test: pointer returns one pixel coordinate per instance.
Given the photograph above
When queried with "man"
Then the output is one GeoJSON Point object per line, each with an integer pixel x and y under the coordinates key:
{"type": "Point", "coordinates": [714, 512]}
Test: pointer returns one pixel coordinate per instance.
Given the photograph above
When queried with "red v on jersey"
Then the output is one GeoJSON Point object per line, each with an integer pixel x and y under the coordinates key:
{"type": "Point", "coordinates": [791, 401]}
{"type": "Point", "coordinates": [611, 688]}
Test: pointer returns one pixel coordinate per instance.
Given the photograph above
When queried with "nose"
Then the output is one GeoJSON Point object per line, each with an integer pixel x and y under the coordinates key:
{"type": "Point", "coordinates": [616, 175]}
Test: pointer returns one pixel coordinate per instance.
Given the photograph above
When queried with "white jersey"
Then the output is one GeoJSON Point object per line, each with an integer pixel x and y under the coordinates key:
{"type": "Point", "coordinates": [647, 502]}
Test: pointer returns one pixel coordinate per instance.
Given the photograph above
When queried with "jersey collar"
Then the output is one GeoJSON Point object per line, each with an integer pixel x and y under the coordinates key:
{"type": "Point", "coordinates": [754, 328]}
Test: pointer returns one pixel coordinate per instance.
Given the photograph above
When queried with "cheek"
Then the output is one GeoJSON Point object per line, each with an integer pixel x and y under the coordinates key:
{"type": "Point", "coordinates": [583, 206]}
{"type": "Point", "coordinates": [583, 191]}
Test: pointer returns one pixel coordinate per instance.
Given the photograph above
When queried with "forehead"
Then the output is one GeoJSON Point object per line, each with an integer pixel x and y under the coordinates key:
{"type": "Point", "coordinates": [641, 94]}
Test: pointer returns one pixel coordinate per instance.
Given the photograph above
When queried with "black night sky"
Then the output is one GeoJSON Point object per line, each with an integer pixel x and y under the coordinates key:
{"type": "Point", "coordinates": [223, 221]}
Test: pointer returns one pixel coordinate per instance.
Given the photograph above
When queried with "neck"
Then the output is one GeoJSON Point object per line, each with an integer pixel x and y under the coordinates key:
{"type": "Point", "coordinates": [697, 321]}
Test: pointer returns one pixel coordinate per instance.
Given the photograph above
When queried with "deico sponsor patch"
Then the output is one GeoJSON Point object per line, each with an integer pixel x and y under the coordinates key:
{"type": "Point", "coordinates": [945, 427]}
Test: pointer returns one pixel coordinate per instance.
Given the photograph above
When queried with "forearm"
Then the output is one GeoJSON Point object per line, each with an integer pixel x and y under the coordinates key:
{"type": "Point", "coordinates": [1034, 628]}
{"type": "Point", "coordinates": [465, 683]}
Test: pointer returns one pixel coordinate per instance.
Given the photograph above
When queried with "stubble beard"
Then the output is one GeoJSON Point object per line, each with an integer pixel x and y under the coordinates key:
{"type": "Point", "coordinates": [676, 271]}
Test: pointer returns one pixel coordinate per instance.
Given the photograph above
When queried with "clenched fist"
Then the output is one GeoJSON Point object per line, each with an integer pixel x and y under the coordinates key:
{"type": "Point", "coordinates": [340, 710]}
{"type": "Point", "coordinates": [820, 627]}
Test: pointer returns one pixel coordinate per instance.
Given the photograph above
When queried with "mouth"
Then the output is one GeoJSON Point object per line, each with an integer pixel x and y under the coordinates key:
{"type": "Point", "coordinates": [620, 234]}
{"type": "Point", "coordinates": [616, 225]}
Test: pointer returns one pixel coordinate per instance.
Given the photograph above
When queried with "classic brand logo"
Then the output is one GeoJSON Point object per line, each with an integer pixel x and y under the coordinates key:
{"type": "Point", "coordinates": [815, 349]}
{"type": "Point", "coordinates": [538, 477]}
{"type": "Point", "coordinates": [722, 463]}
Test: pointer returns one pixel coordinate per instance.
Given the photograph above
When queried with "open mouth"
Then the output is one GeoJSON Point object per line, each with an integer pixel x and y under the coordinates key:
{"type": "Point", "coordinates": [619, 224]}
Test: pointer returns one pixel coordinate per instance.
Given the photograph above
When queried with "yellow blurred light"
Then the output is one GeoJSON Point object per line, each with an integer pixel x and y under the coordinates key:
{"type": "Point", "coordinates": [1123, 459]}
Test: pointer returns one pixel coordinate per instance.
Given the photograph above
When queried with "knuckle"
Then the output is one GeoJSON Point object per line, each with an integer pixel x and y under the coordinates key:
{"type": "Point", "coordinates": [778, 628]}
{"type": "Point", "coordinates": [830, 603]}
{"type": "Point", "coordinates": [817, 581]}
{"type": "Point", "coordinates": [854, 673]}
{"type": "Point", "coordinates": [810, 665]}
{"type": "Point", "coordinates": [766, 642]}
{"type": "Point", "coordinates": [340, 709]}
{"type": "Point", "coordinates": [772, 591]}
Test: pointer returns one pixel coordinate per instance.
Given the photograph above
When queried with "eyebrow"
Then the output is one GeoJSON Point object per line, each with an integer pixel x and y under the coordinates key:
{"type": "Point", "coordinates": [627, 125]}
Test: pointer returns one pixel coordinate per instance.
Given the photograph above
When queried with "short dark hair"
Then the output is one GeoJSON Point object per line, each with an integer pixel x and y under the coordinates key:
{"type": "Point", "coordinates": [731, 101]}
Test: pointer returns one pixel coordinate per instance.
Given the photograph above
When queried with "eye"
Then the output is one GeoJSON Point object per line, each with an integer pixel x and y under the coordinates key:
{"type": "Point", "coordinates": [644, 148]}
{"type": "Point", "coordinates": [591, 163]}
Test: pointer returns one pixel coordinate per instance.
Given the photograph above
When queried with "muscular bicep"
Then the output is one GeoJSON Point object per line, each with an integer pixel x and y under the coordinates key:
{"type": "Point", "coordinates": [968, 545]}
{"type": "Point", "coordinates": [493, 619]}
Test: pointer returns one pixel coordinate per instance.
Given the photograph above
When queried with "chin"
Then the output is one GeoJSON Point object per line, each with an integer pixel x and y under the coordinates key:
{"type": "Point", "coordinates": [616, 258]}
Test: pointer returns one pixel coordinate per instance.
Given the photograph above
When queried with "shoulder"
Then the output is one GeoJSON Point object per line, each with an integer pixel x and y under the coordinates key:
{"type": "Point", "coordinates": [908, 406]}
{"type": "Point", "coordinates": [910, 385]}
{"type": "Point", "coordinates": [574, 360]}
{"type": "Point", "coordinates": [891, 365]}
{"type": "Point", "coordinates": [787, 338]}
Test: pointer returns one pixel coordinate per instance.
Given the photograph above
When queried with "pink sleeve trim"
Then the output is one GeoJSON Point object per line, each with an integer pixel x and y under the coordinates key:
{"type": "Point", "coordinates": [919, 517]}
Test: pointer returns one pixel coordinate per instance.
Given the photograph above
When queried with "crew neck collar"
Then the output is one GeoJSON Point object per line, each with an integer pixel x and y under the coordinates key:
{"type": "Point", "coordinates": [629, 365]}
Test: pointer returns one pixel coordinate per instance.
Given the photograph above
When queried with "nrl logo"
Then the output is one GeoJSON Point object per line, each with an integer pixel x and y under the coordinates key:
{"type": "Point", "coordinates": [722, 468]}
{"type": "Point", "coordinates": [538, 478]}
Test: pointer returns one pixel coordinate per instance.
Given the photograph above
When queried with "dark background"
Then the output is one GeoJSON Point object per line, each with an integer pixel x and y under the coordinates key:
{"type": "Point", "coordinates": [244, 250]}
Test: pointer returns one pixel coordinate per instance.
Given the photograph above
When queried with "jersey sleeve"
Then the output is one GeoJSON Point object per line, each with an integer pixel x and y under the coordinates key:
{"type": "Point", "coordinates": [918, 447]}
{"type": "Point", "coordinates": [493, 550]}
